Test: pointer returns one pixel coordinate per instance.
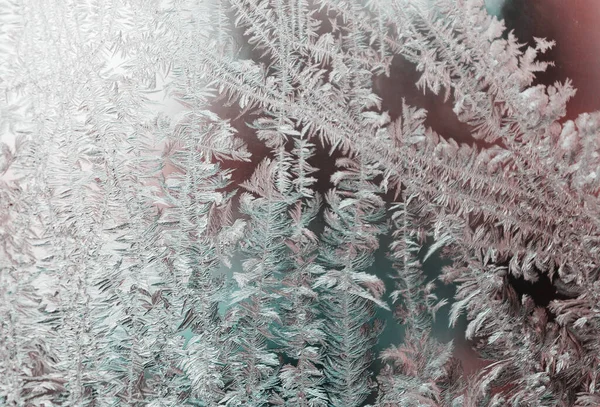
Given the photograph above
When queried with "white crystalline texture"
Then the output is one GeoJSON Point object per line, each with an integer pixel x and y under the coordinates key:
{"type": "Point", "coordinates": [205, 203]}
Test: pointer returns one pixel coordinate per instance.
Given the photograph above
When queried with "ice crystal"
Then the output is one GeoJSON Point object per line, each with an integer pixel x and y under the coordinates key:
{"type": "Point", "coordinates": [167, 239]}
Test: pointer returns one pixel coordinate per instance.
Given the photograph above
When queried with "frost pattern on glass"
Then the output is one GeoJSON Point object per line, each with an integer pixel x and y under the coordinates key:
{"type": "Point", "coordinates": [169, 235]}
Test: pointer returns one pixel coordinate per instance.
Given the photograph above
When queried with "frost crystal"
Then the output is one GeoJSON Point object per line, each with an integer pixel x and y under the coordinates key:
{"type": "Point", "coordinates": [197, 199]}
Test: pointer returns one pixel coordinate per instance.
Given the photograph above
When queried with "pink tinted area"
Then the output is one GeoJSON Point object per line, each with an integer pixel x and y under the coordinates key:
{"type": "Point", "coordinates": [575, 26]}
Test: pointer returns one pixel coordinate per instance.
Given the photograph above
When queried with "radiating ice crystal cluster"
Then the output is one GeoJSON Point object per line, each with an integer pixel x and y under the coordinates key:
{"type": "Point", "coordinates": [196, 197]}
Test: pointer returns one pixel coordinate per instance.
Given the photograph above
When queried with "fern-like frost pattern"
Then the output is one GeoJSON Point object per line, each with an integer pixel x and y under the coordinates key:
{"type": "Point", "coordinates": [205, 203]}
